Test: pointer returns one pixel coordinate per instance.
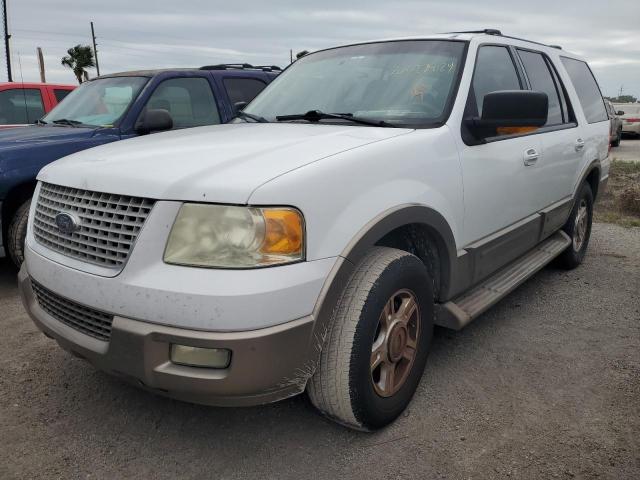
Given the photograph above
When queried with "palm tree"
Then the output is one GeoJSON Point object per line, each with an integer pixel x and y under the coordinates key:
{"type": "Point", "coordinates": [80, 57]}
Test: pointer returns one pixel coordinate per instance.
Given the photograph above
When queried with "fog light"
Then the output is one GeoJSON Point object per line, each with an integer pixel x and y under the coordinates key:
{"type": "Point", "coordinates": [200, 357]}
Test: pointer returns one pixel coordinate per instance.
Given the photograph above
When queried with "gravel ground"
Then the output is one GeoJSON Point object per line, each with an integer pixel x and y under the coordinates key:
{"type": "Point", "coordinates": [545, 385]}
{"type": "Point", "coordinates": [628, 151]}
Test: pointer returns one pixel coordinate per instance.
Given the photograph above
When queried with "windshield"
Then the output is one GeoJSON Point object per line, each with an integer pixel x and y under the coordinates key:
{"type": "Point", "coordinates": [98, 103]}
{"type": "Point", "coordinates": [405, 83]}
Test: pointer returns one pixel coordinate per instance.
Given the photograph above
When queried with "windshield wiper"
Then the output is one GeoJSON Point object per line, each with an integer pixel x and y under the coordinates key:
{"type": "Point", "coordinates": [255, 118]}
{"type": "Point", "coordinates": [40, 122]}
{"type": "Point", "coordinates": [66, 121]}
{"type": "Point", "coordinates": [317, 115]}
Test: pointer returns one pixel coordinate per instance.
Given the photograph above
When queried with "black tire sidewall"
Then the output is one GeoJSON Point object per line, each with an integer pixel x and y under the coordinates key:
{"type": "Point", "coordinates": [573, 257]}
{"type": "Point", "coordinates": [17, 233]}
{"type": "Point", "coordinates": [372, 410]}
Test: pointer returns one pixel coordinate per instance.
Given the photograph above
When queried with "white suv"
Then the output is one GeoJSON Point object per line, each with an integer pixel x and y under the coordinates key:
{"type": "Point", "coordinates": [370, 192]}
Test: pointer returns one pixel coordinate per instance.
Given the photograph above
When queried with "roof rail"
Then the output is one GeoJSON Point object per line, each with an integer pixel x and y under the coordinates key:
{"type": "Point", "coordinates": [242, 66]}
{"type": "Point", "coordinates": [487, 31]}
{"type": "Point", "coordinates": [493, 31]}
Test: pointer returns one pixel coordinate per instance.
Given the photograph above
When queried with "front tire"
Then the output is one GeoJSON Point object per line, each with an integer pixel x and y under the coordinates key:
{"type": "Point", "coordinates": [578, 227]}
{"type": "Point", "coordinates": [378, 341]}
{"type": "Point", "coordinates": [17, 233]}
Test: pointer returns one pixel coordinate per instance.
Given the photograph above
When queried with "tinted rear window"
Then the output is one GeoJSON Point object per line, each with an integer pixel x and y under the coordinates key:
{"type": "Point", "coordinates": [541, 80]}
{"type": "Point", "coordinates": [587, 89]}
{"type": "Point", "coordinates": [243, 89]}
{"type": "Point", "coordinates": [60, 94]}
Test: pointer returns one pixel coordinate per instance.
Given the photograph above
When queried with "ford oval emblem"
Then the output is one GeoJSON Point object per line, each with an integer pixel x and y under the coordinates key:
{"type": "Point", "coordinates": [67, 223]}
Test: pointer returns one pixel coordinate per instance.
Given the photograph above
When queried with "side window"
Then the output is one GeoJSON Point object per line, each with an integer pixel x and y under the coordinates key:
{"type": "Point", "coordinates": [494, 71]}
{"type": "Point", "coordinates": [60, 94]}
{"type": "Point", "coordinates": [541, 80]}
{"type": "Point", "coordinates": [243, 89]}
{"type": "Point", "coordinates": [587, 89]}
{"type": "Point", "coordinates": [20, 106]}
{"type": "Point", "coordinates": [189, 101]}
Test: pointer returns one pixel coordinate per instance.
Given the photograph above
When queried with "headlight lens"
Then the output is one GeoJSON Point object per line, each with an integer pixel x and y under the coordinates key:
{"type": "Point", "coordinates": [235, 237]}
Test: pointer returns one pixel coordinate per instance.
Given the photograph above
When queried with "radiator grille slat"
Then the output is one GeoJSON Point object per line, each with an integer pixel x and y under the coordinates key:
{"type": "Point", "coordinates": [109, 223]}
{"type": "Point", "coordinates": [79, 317]}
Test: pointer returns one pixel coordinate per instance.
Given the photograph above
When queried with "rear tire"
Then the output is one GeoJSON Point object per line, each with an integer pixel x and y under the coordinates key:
{"type": "Point", "coordinates": [578, 227]}
{"type": "Point", "coordinates": [17, 233]}
{"type": "Point", "coordinates": [384, 315]}
{"type": "Point", "coordinates": [616, 142]}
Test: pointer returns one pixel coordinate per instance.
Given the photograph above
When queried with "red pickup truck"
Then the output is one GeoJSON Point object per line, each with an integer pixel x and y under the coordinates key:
{"type": "Point", "coordinates": [24, 103]}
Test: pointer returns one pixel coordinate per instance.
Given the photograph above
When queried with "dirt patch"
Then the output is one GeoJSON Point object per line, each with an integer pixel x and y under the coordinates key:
{"type": "Point", "coordinates": [620, 202]}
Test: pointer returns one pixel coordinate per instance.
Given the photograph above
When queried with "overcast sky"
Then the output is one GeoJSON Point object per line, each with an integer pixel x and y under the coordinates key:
{"type": "Point", "coordinates": [134, 34]}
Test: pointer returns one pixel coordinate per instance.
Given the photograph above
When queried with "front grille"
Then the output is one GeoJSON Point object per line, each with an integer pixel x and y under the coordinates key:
{"type": "Point", "coordinates": [108, 223]}
{"type": "Point", "coordinates": [84, 319]}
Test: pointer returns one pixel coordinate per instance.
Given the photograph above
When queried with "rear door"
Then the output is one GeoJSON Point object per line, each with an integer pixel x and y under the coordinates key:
{"type": "Point", "coordinates": [561, 139]}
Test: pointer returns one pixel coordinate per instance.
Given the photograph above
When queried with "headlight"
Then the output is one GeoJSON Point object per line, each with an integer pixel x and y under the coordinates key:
{"type": "Point", "coordinates": [235, 237]}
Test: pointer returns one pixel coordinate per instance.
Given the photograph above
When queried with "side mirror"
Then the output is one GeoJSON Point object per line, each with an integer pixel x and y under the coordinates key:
{"type": "Point", "coordinates": [619, 112]}
{"type": "Point", "coordinates": [154, 120]}
{"type": "Point", "coordinates": [239, 106]}
{"type": "Point", "coordinates": [507, 112]}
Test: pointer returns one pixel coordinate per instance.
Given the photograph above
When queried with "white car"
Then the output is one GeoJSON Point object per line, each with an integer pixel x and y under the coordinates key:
{"type": "Point", "coordinates": [370, 192]}
{"type": "Point", "coordinates": [630, 114]}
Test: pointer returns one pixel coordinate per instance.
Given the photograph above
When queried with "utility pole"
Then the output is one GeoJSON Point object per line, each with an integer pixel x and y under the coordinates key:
{"type": "Point", "coordinates": [290, 56]}
{"type": "Point", "coordinates": [6, 40]}
{"type": "Point", "coordinates": [41, 65]}
{"type": "Point", "coordinates": [95, 50]}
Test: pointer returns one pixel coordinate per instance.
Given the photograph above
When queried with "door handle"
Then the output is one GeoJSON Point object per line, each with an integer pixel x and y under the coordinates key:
{"type": "Point", "coordinates": [579, 144]}
{"type": "Point", "coordinates": [531, 156]}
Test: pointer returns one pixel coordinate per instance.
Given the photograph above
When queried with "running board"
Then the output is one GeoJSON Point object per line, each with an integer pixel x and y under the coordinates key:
{"type": "Point", "coordinates": [460, 311]}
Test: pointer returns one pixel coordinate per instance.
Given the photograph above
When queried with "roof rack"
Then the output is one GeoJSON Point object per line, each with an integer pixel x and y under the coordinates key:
{"type": "Point", "coordinates": [242, 66]}
{"type": "Point", "coordinates": [487, 31]}
{"type": "Point", "coordinates": [494, 31]}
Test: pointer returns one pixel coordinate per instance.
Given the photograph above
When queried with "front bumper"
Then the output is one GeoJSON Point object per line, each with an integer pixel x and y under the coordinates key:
{"type": "Point", "coordinates": [267, 365]}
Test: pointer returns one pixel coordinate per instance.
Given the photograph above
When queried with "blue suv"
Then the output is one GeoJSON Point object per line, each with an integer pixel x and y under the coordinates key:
{"type": "Point", "coordinates": [110, 108]}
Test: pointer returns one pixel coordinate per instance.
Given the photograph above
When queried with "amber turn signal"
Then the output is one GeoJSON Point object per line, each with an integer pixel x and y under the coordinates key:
{"type": "Point", "coordinates": [515, 130]}
{"type": "Point", "coordinates": [284, 232]}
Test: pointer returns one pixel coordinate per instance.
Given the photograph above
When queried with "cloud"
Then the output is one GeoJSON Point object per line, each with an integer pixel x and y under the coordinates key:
{"type": "Point", "coordinates": [165, 33]}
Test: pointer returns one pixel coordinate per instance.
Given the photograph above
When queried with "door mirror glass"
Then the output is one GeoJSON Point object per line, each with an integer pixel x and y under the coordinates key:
{"type": "Point", "coordinates": [619, 112]}
{"type": "Point", "coordinates": [154, 120]}
{"type": "Point", "coordinates": [509, 112]}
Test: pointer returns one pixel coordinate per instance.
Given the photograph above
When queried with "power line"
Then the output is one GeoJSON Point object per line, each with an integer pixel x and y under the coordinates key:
{"type": "Point", "coordinates": [6, 39]}
{"type": "Point", "coordinates": [95, 50]}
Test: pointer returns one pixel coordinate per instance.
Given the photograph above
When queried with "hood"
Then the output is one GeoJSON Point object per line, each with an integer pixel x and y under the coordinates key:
{"type": "Point", "coordinates": [21, 137]}
{"type": "Point", "coordinates": [222, 163]}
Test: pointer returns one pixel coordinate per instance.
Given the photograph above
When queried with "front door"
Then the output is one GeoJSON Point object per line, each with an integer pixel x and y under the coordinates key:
{"type": "Point", "coordinates": [498, 175]}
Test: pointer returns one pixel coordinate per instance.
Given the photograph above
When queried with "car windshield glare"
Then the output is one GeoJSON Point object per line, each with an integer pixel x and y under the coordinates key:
{"type": "Point", "coordinates": [98, 103]}
{"type": "Point", "coordinates": [405, 83]}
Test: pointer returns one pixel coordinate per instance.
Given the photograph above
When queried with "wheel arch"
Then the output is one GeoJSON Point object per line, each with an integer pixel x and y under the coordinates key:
{"type": "Point", "coordinates": [417, 229]}
{"type": "Point", "coordinates": [591, 175]}
{"type": "Point", "coordinates": [379, 231]}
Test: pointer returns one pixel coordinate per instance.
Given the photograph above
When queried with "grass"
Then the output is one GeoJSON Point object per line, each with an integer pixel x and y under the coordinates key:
{"type": "Point", "coordinates": [620, 203]}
